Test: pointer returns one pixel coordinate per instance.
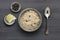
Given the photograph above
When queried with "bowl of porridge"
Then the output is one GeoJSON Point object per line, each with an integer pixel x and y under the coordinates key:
{"type": "Point", "coordinates": [30, 20]}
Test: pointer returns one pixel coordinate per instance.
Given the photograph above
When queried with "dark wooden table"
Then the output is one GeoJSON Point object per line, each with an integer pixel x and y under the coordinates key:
{"type": "Point", "coordinates": [15, 33]}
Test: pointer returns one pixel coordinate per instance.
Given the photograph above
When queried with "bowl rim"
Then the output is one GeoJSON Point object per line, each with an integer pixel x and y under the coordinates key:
{"type": "Point", "coordinates": [14, 3]}
{"type": "Point", "coordinates": [33, 29]}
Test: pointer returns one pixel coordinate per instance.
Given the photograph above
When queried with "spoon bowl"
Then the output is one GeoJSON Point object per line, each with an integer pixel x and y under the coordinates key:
{"type": "Point", "coordinates": [47, 12]}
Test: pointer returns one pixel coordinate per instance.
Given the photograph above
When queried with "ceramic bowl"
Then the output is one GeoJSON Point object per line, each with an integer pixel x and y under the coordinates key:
{"type": "Point", "coordinates": [18, 8]}
{"type": "Point", "coordinates": [22, 14]}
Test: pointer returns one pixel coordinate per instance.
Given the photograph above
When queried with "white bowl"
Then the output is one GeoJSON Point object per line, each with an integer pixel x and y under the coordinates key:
{"type": "Point", "coordinates": [22, 14]}
{"type": "Point", "coordinates": [7, 22]}
{"type": "Point", "coordinates": [18, 9]}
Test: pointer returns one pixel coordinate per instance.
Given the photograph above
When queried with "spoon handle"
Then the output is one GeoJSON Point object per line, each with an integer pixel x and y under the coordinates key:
{"type": "Point", "coordinates": [46, 28]}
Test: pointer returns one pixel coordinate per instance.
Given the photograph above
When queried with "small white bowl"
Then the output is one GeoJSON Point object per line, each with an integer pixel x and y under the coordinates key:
{"type": "Point", "coordinates": [18, 8]}
{"type": "Point", "coordinates": [7, 22]}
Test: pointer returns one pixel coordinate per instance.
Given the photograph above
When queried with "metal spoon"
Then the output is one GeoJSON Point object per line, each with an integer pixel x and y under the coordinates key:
{"type": "Point", "coordinates": [47, 14]}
